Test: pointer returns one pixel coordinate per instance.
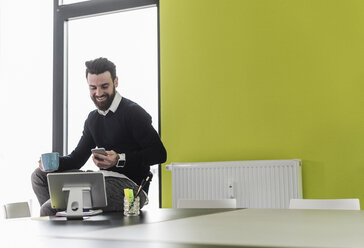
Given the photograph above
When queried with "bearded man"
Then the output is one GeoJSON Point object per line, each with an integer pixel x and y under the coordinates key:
{"type": "Point", "coordinates": [120, 126]}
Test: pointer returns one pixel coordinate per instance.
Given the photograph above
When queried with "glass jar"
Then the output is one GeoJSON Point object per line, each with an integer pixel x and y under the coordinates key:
{"type": "Point", "coordinates": [131, 208]}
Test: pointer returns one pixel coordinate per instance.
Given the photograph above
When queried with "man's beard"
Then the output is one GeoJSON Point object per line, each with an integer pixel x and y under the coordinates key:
{"type": "Point", "coordinates": [104, 105]}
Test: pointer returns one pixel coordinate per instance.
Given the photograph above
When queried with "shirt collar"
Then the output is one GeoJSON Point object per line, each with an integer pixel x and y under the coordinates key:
{"type": "Point", "coordinates": [114, 105]}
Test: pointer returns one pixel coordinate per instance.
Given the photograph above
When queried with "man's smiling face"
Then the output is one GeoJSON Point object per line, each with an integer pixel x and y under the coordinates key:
{"type": "Point", "coordinates": [102, 89]}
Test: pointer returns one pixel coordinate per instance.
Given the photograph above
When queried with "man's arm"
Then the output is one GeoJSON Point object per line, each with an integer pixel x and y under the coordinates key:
{"type": "Point", "coordinates": [151, 150]}
{"type": "Point", "coordinates": [80, 154]}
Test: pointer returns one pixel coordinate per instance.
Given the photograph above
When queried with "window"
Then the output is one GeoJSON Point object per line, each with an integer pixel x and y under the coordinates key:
{"type": "Point", "coordinates": [129, 39]}
{"type": "Point", "coordinates": [26, 99]}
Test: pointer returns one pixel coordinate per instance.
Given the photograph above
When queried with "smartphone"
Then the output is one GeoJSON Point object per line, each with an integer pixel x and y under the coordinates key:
{"type": "Point", "coordinates": [99, 151]}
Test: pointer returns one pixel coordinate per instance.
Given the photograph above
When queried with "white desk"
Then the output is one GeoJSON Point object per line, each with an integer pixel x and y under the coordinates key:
{"type": "Point", "coordinates": [181, 228]}
{"type": "Point", "coordinates": [251, 227]}
{"type": "Point", "coordinates": [57, 232]}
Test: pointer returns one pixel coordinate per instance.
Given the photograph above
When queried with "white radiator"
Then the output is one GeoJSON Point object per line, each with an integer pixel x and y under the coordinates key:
{"type": "Point", "coordinates": [254, 184]}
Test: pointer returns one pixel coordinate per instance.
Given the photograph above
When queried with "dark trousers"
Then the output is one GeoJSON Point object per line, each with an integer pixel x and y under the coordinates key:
{"type": "Point", "coordinates": [114, 193]}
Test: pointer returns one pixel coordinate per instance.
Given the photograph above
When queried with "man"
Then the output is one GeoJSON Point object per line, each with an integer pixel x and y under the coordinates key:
{"type": "Point", "coordinates": [120, 126]}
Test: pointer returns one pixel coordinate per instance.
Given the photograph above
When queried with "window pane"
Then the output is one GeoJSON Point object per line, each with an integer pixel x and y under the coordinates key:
{"type": "Point", "coordinates": [129, 39]}
{"type": "Point", "coordinates": [26, 74]}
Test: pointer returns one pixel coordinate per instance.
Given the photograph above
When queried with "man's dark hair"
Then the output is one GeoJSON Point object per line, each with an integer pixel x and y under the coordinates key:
{"type": "Point", "coordinates": [100, 65]}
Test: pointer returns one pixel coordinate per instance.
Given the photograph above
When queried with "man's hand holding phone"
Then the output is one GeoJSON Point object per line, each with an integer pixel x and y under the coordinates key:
{"type": "Point", "coordinates": [104, 159]}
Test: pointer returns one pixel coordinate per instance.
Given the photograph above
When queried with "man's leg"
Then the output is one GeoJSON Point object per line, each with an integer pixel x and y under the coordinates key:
{"type": "Point", "coordinates": [40, 185]}
{"type": "Point", "coordinates": [47, 210]}
{"type": "Point", "coordinates": [40, 188]}
{"type": "Point", "coordinates": [115, 193]}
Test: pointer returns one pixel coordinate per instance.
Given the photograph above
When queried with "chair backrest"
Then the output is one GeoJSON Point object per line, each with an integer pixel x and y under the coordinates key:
{"type": "Point", "coordinates": [16, 210]}
{"type": "Point", "coordinates": [223, 203]}
{"type": "Point", "coordinates": [339, 204]}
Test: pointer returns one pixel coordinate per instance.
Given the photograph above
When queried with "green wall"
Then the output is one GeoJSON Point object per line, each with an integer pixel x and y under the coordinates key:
{"type": "Point", "coordinates": [266, 79]}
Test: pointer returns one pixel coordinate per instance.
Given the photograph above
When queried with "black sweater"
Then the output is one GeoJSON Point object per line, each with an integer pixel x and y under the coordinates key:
{"type": "Point", "coordinates": [129, 130]}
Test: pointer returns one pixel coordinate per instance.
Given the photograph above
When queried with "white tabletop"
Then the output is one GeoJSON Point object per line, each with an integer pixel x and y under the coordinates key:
{"type": "Point", "coordinates": [257, 227]}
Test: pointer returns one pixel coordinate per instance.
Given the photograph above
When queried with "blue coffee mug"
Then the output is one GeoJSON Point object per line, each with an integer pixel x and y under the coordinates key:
{"type": "Point", "coordinates": [50, 161]}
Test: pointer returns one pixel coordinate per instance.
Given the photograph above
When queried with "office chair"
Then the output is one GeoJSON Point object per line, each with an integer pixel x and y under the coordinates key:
{"type": "Point", "coordinates": [223, 203]}
{"type": "Point", "coordinates": [338, 204]}
{"type": "Point", "coordinates": [16, 210]}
